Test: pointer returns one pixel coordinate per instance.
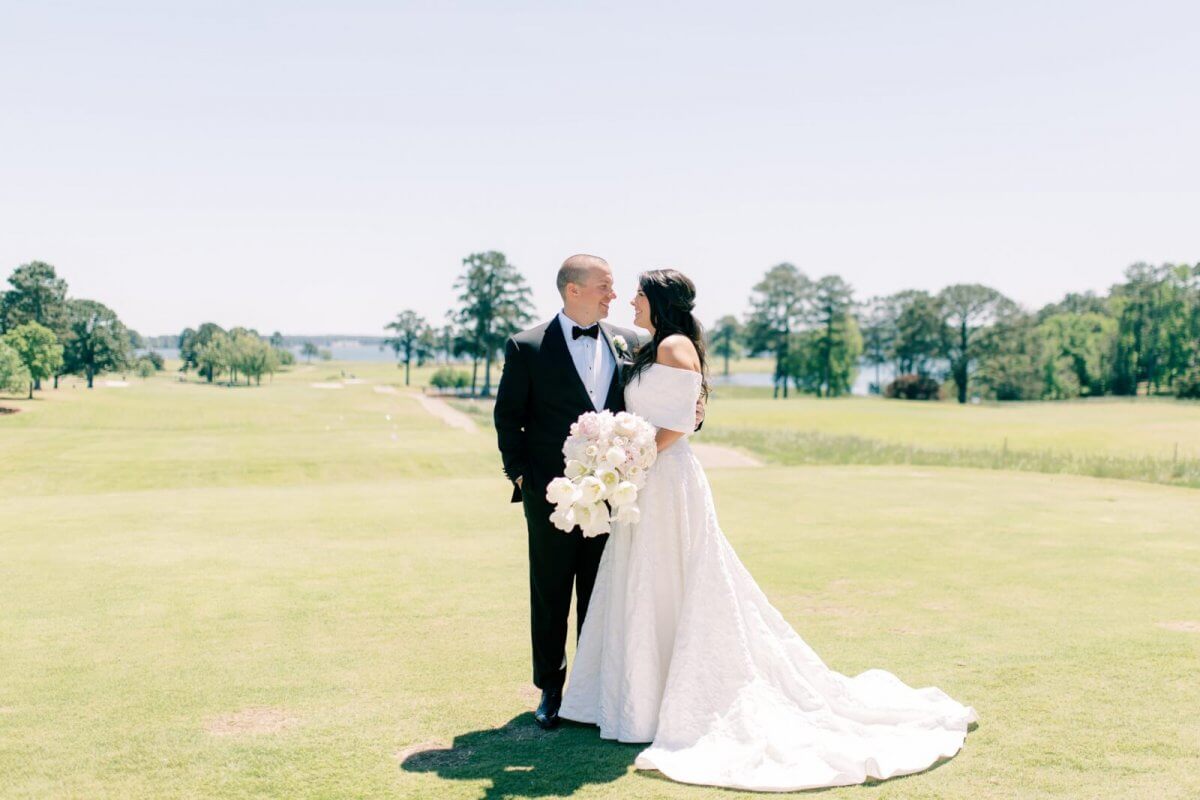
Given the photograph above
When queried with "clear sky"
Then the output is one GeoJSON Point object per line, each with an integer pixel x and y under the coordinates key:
{"type": "Point", "coordinates": [318, 167]}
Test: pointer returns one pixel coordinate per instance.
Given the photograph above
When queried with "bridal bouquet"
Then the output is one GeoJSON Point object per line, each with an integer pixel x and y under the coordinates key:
{"type": "Point", "coordinates": [607, 456]}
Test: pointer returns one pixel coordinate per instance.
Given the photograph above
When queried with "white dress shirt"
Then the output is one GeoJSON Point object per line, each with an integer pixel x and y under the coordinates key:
{"type": "Point", "coordinates": [593, 360]}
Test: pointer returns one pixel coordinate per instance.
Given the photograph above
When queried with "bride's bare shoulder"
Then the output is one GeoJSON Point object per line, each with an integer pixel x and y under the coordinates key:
{"type": "Point", "coordinates": [678, 351]}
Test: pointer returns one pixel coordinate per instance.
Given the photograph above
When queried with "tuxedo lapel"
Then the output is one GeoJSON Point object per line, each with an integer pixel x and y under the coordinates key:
{"type": "Point", "coordinates": [555, 344]}
{"type": "Point", "coordinates": [607, 333]}
{"type": "Point", "coordinates": [617, 386]}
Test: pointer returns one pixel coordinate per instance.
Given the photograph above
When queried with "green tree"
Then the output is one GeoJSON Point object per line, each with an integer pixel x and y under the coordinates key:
{"type": "Point", "coordinates": [249, 356]}
{"type": "Point", "coordinates": [37, 295]}
{"type": "Point", "coordinates": [778, 307]}
{"type": "Point", "coordinates": [877, 318]}
{"type": "Point", "coordinates": [823, 365]}
{"type": "Point", "coordinates": [495, 304]}
{"type": "Point", "coordinates": [446, 337]}
{"type": "Point", "coordinates": [1006, 356]}
{"type": "Point", "coordinates": [191, 342]}
{"type": "Point", "coordinates": [409, 327]}
{"type": "Point", "coordinates": [97, 340]}
{"type": "Point", "coordinates": [308, 350]}
{"type": "Point", "coordinates": [214, 356]}
{"type": "Point", "coordinates": [968, 310]}
{"type": "Point", "coordinates": [838, 344]}
{"type": "Point", "coordinates": [38, 348]}
{"type": "Point", "coordinates": [726, 336]}
{"type": "Point", "coordinates": [1077, 352]}
{"type": "Point", "coordinates": [1074, 303]}
{"type": "Point", "coordinates": [427, 345]}
{"type": "Point", "coordinates": [14, 377]}
{"type": "Point", "coordinates": [1158, 330]}
{"type": "Point", "coordinates": [921, 334]}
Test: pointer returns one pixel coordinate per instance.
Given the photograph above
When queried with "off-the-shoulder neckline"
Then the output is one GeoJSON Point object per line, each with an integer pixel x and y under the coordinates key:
{"type": "Point", "coordinates": [677, 369]}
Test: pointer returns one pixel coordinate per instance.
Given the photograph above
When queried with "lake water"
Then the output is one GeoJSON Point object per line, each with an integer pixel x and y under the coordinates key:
{"type": "Point", "coordinates": [352, 351]}
{"type": "Point", "coordinates": [342, 351]}
{"type": "Point", "coordinates": [861, 386]}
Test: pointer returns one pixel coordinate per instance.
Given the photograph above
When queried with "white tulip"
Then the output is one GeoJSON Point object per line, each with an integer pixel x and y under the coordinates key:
{"type": "Point", "coordinates": [598, 524]}
{"type": "Point", "coordinates": [624, 494]}
{"type": "Point", "coordinates": [561, 491]}
{"type": "Point", "coordinates": [563, 518]}
{"type": "Point", "coordinates": [591, 490]}
{"type": "Point", "coordinates": [615, 457]}
{"type": "Point", "coordinates": [609, 478]}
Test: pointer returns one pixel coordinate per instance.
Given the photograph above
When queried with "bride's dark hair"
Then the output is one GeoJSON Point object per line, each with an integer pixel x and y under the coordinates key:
{"type": "Point", "coordinates": [671, 296]}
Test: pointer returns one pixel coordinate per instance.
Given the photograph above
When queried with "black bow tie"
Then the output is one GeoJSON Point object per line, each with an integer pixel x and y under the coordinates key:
{"type": "Point", "coordinates": [592, 332]}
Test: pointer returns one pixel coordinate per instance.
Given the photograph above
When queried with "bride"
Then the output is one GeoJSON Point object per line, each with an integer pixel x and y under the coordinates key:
{"type": "Point", "coordinates": [681, 649]}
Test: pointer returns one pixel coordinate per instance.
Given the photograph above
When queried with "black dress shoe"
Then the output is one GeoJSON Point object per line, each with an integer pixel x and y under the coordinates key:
{"type": "Point", "coordinates": [546, 715]}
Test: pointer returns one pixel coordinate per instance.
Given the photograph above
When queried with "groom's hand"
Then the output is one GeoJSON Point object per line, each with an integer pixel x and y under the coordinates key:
{"type": "Point", "coordinates": [518, 480]}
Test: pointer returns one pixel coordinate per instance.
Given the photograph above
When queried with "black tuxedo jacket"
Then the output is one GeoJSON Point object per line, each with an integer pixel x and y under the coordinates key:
{"type": "Point", "coordinates": [541, 394]}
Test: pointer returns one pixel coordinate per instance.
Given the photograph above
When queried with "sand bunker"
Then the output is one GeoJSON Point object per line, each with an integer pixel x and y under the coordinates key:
{"type": "Point", "coordinates": [1185, 626]}
{"type": "Point", "coordinates": [326, 385]}
{"type": "Point", "coordinates": [116, 384]}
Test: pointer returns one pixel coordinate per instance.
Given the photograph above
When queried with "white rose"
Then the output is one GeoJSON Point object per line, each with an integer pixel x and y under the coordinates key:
{"type": "Point", "coordinates": [624, 493]}
{"type": "Point", "coordinates": [628, 515]}
{"type": "Point", "coordinates": [591, 451]}
{"type": "Point", "coordinates": [590, 490]}
{"type": "Point", "coordinates": [575, 469]}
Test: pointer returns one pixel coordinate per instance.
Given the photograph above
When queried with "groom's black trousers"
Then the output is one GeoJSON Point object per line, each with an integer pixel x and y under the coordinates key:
{"type": "Point", "coordinates": [556, 560]}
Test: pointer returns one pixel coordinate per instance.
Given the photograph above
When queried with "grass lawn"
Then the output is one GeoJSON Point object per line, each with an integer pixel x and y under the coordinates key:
{"type": "Point", "coordinates": [290, 591]}
{"type": "Point", "coordinates": [1156, 440]}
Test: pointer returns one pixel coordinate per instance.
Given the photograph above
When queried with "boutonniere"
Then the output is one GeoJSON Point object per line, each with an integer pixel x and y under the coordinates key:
{"type": "Point", "coordinates": [621, 345]}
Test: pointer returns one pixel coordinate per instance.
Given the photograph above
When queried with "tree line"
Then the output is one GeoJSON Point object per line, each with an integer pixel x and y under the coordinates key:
{"type": "Point", "coordinates": [45, 334]}
{"type": "Point", "coordinates": [239, 353]}
{"type": "Point", "coordinates": [967, 340]}
{"type": "Point", "coordinates": [1141, 337]}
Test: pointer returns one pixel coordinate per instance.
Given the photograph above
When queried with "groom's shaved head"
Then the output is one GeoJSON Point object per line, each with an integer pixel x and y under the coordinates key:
{"type": "Point", "coordinates": [576, 270]}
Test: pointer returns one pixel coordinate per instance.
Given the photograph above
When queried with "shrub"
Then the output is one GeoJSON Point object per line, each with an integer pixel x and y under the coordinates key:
{"type": "Point", "coordinates": [145, 367]}
{"type": "Point", "coordinates": [447, 378]}
{"type": "Point", "coordinates": [912, 387]}
{"type": "Point", "coordinates": [1187, 387]}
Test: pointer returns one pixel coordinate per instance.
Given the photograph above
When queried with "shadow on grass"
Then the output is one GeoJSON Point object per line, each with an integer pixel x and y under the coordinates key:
{"type": "Point", "coordinates": [522, 760]}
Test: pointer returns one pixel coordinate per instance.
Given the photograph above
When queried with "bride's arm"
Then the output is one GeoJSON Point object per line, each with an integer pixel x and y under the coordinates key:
{"type": "Point", "coordinates": [665, 438]}
{"type": "Point", "coordinates": [679, 352]}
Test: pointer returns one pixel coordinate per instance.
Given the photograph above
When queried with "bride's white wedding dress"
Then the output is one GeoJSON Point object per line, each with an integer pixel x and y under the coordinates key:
{"type": "Point", "coordinates": [682, 649]}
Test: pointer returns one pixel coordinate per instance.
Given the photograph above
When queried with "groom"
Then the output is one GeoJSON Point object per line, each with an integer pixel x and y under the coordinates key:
{"type": "Point", "coordinates": [552, 374]}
